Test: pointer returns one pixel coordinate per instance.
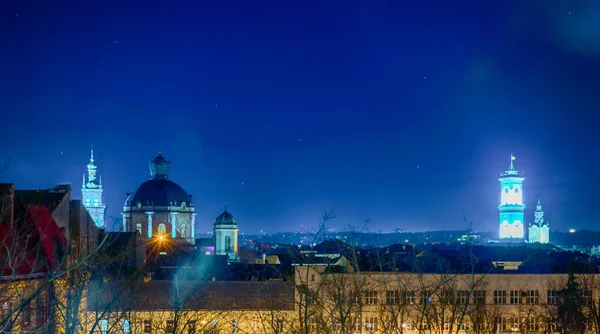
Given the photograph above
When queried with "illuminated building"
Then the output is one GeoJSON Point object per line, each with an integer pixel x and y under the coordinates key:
{"type": "Point", "coordinates": [226, 236]}
{"type": "Point", "coordinates": [511, 203]}
{"type": "Point", "coordinates": [160, 207]}
{"type": "Point", "coordinates": [91, 194]}
{"type": "Point", "coordinates": [539, 230]}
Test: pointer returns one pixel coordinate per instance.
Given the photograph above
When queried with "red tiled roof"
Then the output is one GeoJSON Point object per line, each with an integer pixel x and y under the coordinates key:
{"type": "Point", "coordinates": [49, 232]}
{"type": "Point", "coordinates": [30, 251]}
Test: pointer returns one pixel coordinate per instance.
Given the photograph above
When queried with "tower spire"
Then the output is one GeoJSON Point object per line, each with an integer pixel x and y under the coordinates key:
{"type": "Point", "coordinates": [91, 192]}
{"type": "Point", "coordinates": [512, 158]}
{"type": "Point", "coordinates": [225, 206]}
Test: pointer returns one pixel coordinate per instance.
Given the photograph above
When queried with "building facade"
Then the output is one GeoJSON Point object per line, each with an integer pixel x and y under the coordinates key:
{"type": "Point", "coordinates": [191, 307]}
{"type": "Point", "coordinates": [511, 203]}
{"type": "Point", "coordinates": [392, 302]}
{"type": "Point", "coordinates": [160, 207]}
{"type": "Point", "coordinates": [91, 193]}
{"type": "Point", "coordinates": [539, 230]}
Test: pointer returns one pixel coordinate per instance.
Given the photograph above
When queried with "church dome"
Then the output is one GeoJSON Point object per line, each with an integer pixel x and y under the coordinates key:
{"type": "Point", "coordinates": [225, 218]}
{"type": "Point", "coordinates": [159, 190]}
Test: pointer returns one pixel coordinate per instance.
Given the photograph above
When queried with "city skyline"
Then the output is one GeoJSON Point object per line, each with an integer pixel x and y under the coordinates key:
{"type": "Point", "coordinates": [399, 114]}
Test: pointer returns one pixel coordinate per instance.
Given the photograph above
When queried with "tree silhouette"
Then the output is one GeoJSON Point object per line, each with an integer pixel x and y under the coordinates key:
{"type": "Point", "coordinates": [571, 318]}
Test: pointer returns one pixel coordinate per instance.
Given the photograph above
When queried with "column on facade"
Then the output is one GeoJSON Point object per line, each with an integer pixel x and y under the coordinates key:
{"type": "Point", "coordinates": [217, 234]}
{"type": "Point", "coordinates": [149, 216]}
{"type": "Point", "coordinates": [235, 241]}
{"type": "Point", "coordinates": [193, 235]}
{"type": "Point", "coordinates": [173, 224]}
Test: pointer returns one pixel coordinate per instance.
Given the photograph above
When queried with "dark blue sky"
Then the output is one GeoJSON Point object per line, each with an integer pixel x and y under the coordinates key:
{"type": "Point", "coordinates": [402, 112]}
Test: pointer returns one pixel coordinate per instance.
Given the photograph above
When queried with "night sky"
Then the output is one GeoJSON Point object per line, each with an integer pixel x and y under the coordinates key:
{"type": "Point", "coordinates": [401, 112]}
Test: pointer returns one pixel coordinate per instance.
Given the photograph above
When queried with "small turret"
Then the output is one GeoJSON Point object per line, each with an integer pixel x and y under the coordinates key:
{"type": "Point", "coordinates": [159, 168]}
{"type": "Point", "coordinates": [226, 236]}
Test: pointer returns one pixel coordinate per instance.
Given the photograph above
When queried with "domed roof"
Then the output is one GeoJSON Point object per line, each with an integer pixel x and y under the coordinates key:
{"type": "Point", "coordinates": [225, 218]}
{"type": "Point", "coordinates": [159, 192]}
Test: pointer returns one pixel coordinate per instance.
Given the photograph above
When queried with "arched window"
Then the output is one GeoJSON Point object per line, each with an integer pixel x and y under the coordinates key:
{"type": "Point", "coordinates": [228, 244]}
{"type": "Point", "coordinates": [162, 229]}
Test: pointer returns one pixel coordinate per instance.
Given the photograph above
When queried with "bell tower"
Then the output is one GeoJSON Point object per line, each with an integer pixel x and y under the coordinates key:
{"type": "Point", "coordinates": [511, 203]}
{"type": "Point", "coordinates": [91, 193]}
{"type": "Point", "coordinates": [226, 236]}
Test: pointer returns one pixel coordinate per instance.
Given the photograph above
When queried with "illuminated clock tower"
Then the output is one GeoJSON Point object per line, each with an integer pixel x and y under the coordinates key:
{"type": "Point", "coordinates": [91, 194]}
{"type": "Point", "coordinates": [511, 203]}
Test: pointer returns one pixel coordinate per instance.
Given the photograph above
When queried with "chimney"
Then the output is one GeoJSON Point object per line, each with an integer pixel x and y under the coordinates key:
{"type": "Point", "coordinates": [7, 204]}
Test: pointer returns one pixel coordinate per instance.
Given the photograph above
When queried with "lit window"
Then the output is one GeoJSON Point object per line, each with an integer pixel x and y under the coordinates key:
{"type": "Point", "coordinates": [125, 326]}
{"type": "Point", "coordinates": [104, 326]}
{"type": "Point", "coordinates": [371, 324]}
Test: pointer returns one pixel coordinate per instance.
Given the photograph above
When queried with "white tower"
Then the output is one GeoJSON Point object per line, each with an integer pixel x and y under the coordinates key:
{"type": "Point", "coordinates": [511, 203]}
{"type": "Point", "coordinates": [91, 193]}
{"type": "Point", "coordinates": [539, 230]}
{"type": "Point", "coordinates": [226, 236]}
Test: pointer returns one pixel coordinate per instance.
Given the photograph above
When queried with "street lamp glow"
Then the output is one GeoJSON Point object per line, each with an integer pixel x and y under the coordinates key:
{"type": "Point", "coordinates": [572, 230]}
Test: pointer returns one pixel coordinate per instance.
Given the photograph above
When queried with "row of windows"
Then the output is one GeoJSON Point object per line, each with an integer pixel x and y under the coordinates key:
{"type": "Point", "coordinates": [190, 327]}
{"type": "Point", "coordinates": [409, 297]}
{"type": "Point", "coordinates": [40, 312]}
{"type": "Point", "coordinates": [162, 228]}
{"type": "Point", "coordinates": [509, 323]}
{"type": "Point", "coordinates": [533, 296]}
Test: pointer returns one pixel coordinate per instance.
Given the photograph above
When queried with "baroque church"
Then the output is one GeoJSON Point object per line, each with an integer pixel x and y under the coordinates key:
{"type": "Point", "coordinates": [160, 208]}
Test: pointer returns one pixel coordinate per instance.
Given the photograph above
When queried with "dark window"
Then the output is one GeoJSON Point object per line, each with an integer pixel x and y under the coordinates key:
{"type": "Point", "coordinates": [499, 297]}
{"type": "Point", "coordinates": [552, 296]}
{"type": "Point", "coordinates": [392, 297]}
{"type": "Point", "coordinates": [228, 243]}
{"type": "Point", "coordinates": [192, 327]}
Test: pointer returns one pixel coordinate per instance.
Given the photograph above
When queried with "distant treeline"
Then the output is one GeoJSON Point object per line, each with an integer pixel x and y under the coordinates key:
{"type": "Point", "coordinates": [582, 238]}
